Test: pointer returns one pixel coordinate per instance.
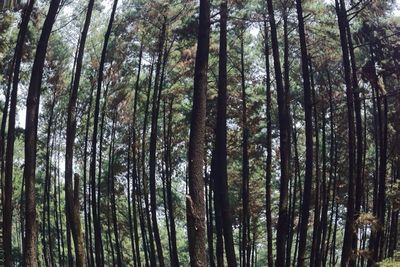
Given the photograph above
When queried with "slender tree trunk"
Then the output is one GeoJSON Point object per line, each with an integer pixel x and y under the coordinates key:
{"type": "Point", "coordinates": [153, 143]}
{"type": "Point", "coordinates": [32, 112]}
{"type": "Point", "coordinates": [113, 197]}
{"type": "Point", "coordinates": [195, 208]}
{"type": "Point", "coordinates": [9, 157]}
{"type": "Point", "coordinates": [305, 208]}
{"type": "Point", "coordinates": [129, 191]}
{"type": "Point", "coordinates": [86, 194]}
{"type": "Point", "coordinates": [269, 151]}
{"type": "Point", "coordinates": [152, 251]}
{"type": "Point", "coordinates": [169, 168]}
{"type": "Point", "coordinates": [73, 219]}
{"type": "Point", "coordinates": [47, 182]}
{"type": "Point", "coordinates": [348, 236]}
{"type": "Point", "coordinates": [317, 199]}
{"type": "Point", "coordinates": [321, 235]}
{"type": "Point", "coordinates": [96, 223]}
{"type": "Point", "coordinates": [359, 190]}
{"type": "Point", "coordinates": [220, 166]}
{"type": "Point", "coordinates": [135, 175]}
{"type": "Point", "coordinates": [209, 212]}
{"type": "Point", "coordinates": [219, 250]}
{"type": "Point", "coordinates": [284, 144]}
{"type": "Point", "coordinates": [246, 242]}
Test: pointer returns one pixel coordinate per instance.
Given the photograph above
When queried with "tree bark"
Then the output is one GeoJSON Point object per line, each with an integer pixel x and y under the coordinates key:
{"type": "Point", "coordinates": [31, 124]}
{"type": "Point", "coordinates": [284, 144]}
{"type": "Point", "coordinates": [96, 223]}
{"type": "Point", "coordinates": [73, 219]}
{"type": "Point", "coordinates": [153, 142]}
{"type": "Point", "coordinates": [220, 166]}
{"type": "Point", "coordinates": [8, 187]}
{"type": "Point", "coordinates": [195, 208]}
{"type": "Point", "coordinates": [348, 236]}
{"type": "Point", "coordinates": [268, 174]}
{"type": "Point", "coordinates": [246, 242]}
{"type": "Point", "coordinates": [305, 208]}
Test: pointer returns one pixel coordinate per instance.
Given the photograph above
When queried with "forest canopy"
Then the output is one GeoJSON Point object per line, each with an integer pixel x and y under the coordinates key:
{"type": "Point", "coordinates": [200, 133]}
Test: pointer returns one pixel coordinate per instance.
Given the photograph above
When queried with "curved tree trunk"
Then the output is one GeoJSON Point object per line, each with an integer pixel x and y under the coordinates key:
{"type": "Point", "coordinates": [72, 214]}
{"type": "Point", "coordinates": [9, 157]}
{"type": "Point", "coordinates": [96, 222]}
{"type": "Point", "coordinates": [31, 124]}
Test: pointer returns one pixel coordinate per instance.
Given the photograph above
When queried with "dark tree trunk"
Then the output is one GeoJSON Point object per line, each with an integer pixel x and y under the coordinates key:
{"type": "Point", "coordinates": [86, 195]}
{"type": "Point", "coordinates": [9, 157]}
{"type": "Point", "coordinates": [195, 207]}
{"type": "Point", "coordinates": [317, 199]}
{"type": "Point", "coordinates": [168, 172]}
{"type": "Point", "coordinates": [135, 176]}
{"type": "Point", "coordinates": [117, 243]}
{"type": "Point", "coordinates": [269, 151]}
{"type": "Point", "coordinates": [96, 222]}
{"type": "Point", "coordinates": [73, 218]}
{"type": "Point", "coordinates": [284, 144]}
{"type": "Point", "coordinates": [32, 112]}
{"type": "Point", "coordinates": [348, 236]}
{"type": "Point", "coordinates": [246, 242]}
{"type": "Point", "coordinates": [47, 184]}
{"type": "Point", "coordinates": [219, 250]}
{"type": "Point", "coordinates": [359, 190]}
{"type": "Point", "coordinates": [129, 191]}
{"type": "Point", "coordinates": [305, 208]}
{"type": "Point", "coordinates": [209, 213]}
{"type": "Point", "coordinates": [220, 167]}
{"type": "Point", "coordinates": [153, 142]}
{"type": "Point", "coordinates": [152, 250]}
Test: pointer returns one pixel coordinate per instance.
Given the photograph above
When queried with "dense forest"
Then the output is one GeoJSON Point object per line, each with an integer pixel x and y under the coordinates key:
{"type": "Point", "coordinates": [235, 133]}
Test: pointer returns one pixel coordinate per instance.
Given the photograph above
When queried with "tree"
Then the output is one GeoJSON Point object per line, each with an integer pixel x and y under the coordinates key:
{"type": "Point", "coordinates": [309, 137]}
{"type": "Point", "coordinates": [284, 142]}
{"type": "Point", "coordinates": [219, 168]}
{"type": "Point", "coordinates": [72, 208]}
{"type": "Point", "coordinates": [96, 222]}
{"type": "Point", "coordinates": [31, 123]}
{"type": "Point", "coordinates": [8, 190]}
{"type": "Point", "coordinates": [347, 242]}
{"type": "Point", "coordinates": [195, 207]}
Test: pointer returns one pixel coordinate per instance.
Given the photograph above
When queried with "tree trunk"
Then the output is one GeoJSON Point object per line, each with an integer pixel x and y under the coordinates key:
{"type": "Point", "coordinates": [359, 190]}
{"type": "Point", "coordinates": [8, 187]}
{"type": "Point", "coordinates": [153, 142]}
{"type": "Point", "coordinates": [168, 170]}
{"type": "Point", "coordinates": [47, 183]}
{"type": "Point", "coordinates": [73, 219]}
{"type": "Point", "coordinates": [96, 222]}
{"type": "Point", "coordinates": [269, 151]}
{"type": "Point", "coordinates": [195, 208]}
{"type": "Point", "coordinates": [86, 196]}
{"type": "Point", "coordinates": [284, 144]}
{"type": "Point", "coordinates": [220, 166]}
{"type": "Point", "coordinates": [31, 124]}
{"type": "Point", "coordinates": [305, 208]}
{"type": "Point", "coordinates": [246, 242]}
{"type": "Point", "coordinates": [348, 236]}
{"type": "Point", "coordinates": [135, 167]}
{"type": "Point", "coordinates": [152, 250]}
{"type": "Point", "coordinates": [113, 197]}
